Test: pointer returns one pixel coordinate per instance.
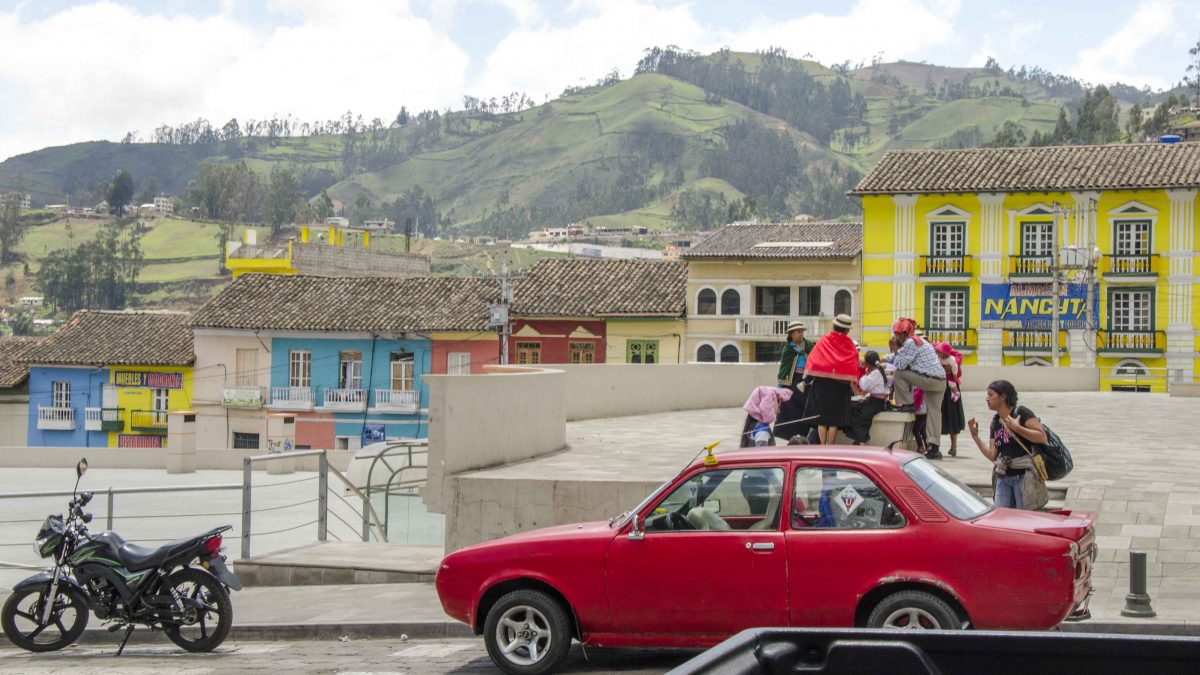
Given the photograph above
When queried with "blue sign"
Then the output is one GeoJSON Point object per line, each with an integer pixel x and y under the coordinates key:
{"type": "Point", "coordinates": [1031, 306]}
{"type": "Point", "coordinates": [373, 433]}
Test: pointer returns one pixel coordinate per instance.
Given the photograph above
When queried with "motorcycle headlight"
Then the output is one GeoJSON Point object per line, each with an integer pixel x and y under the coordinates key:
{"type": "Point", "coordinates": [43, 547]}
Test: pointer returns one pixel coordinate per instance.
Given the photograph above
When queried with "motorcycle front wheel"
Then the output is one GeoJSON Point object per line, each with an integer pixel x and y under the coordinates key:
{"type": "Point", "coordinates": [23, 614]}
{"type": "Point", "coordinates": [207, 612]}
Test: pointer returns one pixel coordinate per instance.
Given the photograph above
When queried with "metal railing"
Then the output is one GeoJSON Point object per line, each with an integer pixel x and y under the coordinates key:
{"type": "Point", "coordinates": [369, 528]}
{"type": "Point", "coordinates": [103, 419]}
{"type": "Point", "coordinates": [148, 420]}
{"type": "Point", "coordinates": [370, 519]}
{"type": "Point", "coordinates": [406, 465]}
{"type": "Point", "coordinates": [944, 266]}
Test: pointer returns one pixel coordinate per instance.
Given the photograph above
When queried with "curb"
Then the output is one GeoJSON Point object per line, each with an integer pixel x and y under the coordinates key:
{"type": "Point", "coordinates": [435, 630]}
{"type": "Point", "coordinates": [260, 632]}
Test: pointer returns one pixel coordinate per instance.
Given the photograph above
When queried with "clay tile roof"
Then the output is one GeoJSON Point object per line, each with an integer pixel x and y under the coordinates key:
{"type": "Point", "coordinates": [1054, 168]}
{"type": "Point", "coordinates": [13, 370]}
{"type": "Point", "coordinates": [91, 337]}
{"type": "Point", "coordinates": [388, 304]}
{"type": "Point", "coordinates": [800, 240]}
{"type": "Point", "coordinates": [597, 287]}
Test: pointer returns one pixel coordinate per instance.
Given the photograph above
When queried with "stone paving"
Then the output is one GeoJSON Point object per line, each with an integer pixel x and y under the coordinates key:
{"type": "Point", "coordinates": [325, 656]}
{"type": "Point", "coordinates": [1135, 463]}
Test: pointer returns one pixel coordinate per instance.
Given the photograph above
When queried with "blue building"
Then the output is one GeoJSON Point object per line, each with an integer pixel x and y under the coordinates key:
{"type": "Point", "coordinates": [346, 356]}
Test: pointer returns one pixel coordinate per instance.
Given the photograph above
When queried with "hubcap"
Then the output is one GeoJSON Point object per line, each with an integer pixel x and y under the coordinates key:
{"type": "Point", "coordinates": [912, 618]}
{"type": "Point", "coordinates": [523, 635]}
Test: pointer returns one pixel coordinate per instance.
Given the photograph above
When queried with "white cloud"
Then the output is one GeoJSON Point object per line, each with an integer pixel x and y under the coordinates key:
{"type": "Point", "coordinates": [897, 29]}
{"type": "Point", "coordinates": [101, 69]}
{"type": "Point", "coordinates": [1120, 56]}
{"type": "Point", "coordinates": [543, 59]}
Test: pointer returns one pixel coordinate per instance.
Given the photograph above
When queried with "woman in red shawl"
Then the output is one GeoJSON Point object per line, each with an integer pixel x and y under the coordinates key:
{"type": "Point", "coordinates": [954, 419]}
{"type": "Point", "coordinates": [833, 365]}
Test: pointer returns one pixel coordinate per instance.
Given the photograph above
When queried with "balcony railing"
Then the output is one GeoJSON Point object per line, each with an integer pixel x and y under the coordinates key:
{"type": "Point", "coordinates": [352, 400]}
{"type": "Point", "coordinates": [397, 400]}
{"type": "Point", "coordinates": [292, 398]}
{"type": "Point", "coordinates": [959, 338]}
{"type": "Point", "coordinates": [242, 396]}
{"type": "Point", "coordinates": [154, 421]}
{"type": "Point", "coordinates": [56, 419]}
{"type": "Point", "coordinates": [776, 326]}
{"type": "Point", "coordinates": [1033, 341]}
{"type": "Point", "coordinates": [944, 266]}
{"type": "Point", "coordinates": [103, 419]}
{"type": "Point", "coordinates": [1030, 266]}
{"type": "Point", "coordinates": [1129, 266]}
{"type": "Point", "coordinates": [1125, 342]}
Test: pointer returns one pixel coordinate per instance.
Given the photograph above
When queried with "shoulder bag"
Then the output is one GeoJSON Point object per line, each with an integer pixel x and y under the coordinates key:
{"type": "Point", "coordinates": [1033, 489]}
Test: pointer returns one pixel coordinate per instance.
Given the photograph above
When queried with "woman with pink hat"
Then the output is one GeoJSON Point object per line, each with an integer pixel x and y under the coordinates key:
{"type": "Point", "coordinates": [954, 420]}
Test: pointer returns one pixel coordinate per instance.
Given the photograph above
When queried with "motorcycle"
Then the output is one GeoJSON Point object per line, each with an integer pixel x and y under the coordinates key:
{"type": "Point", "coordinates": [122, 583]}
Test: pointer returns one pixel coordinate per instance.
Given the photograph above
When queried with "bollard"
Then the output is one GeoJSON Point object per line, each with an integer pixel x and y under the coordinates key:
{"type": "Point", "coordinates": [1137, 602]}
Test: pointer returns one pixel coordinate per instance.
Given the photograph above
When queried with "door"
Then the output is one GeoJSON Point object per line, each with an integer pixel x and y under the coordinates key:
{"type": "Point", "coordinates": [711, 561]}
{"type": "Point", "coordinates": [844, 534]}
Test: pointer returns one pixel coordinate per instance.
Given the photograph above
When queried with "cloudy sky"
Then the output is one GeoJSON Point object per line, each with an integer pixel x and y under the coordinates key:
{"type": "Point", "coordinates": [73, 70]}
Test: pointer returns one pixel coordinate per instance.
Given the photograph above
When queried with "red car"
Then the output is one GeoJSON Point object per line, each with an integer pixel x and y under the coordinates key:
{"type": "Point", "coordinates": [788, 536]}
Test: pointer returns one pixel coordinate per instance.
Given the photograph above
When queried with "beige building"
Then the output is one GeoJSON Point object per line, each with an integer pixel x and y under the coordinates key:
{"type": "Point", "coordinates": [747, 281]}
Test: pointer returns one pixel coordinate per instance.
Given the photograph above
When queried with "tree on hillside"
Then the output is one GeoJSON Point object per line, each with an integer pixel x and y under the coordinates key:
{"type": "Point", "coordinates": [1096, 119]}
{"type": "Point", "coordinates": [283, 198]}
{"type": "Point", "coordinates": [227, 192]}
{"type": "Point", "coordinates": [98, 274]}
{"type": "Point", "coordinates": [120, 192]}
{"type": "Point", "coordinates": [1192, 79]}
{"type": "Point", "coordinates": [148, 192]}
{"type": "Point", "coordinates": [1133, 125]}
{"type": "Point", "coordinates": [12, 228]}
{"type": "Point", "coordinates": [1011, 135]}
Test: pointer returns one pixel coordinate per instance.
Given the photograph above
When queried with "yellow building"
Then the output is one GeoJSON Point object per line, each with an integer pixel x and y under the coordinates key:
{"type": "Point", "coordinates": [747, 281]}
{"type": "Point", "coordinates": [967, 242]}
{"type": "Point", "coordinates": [341, 251]}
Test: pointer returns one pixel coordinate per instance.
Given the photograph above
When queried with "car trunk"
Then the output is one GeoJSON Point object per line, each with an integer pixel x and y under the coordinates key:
{"type": "Point", "coordinates": [1073, 526]}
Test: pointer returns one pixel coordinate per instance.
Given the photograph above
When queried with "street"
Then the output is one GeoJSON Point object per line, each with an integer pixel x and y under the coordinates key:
{"type": "Point", "coordinates": [354, 656]}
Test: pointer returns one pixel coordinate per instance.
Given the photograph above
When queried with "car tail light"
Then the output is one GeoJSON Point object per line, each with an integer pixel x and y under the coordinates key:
{"type": "Point", "coordinates": [213, 545]}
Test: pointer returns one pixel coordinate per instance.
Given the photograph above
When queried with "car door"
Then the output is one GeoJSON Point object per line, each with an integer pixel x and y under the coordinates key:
{"type": "Point", "coordinates": [710, 560]}
{"type": "Point", "coordinates": [844, 534]}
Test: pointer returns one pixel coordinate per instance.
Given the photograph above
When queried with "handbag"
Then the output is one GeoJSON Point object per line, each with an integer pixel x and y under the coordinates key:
{"type": "Point", "coordinates": [1033, 488]}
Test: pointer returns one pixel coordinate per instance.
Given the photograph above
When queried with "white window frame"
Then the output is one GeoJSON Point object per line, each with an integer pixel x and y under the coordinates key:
{"type": "Point", "coordinates": [716, 352]}
{"type": "Point", "coordinates": [1128, 238]}
{"type": "Point", "coordinates": [944, 233]}
{"type": "Point", "coordinates": [300, 368]}
{"type": "Point", "coordinates": [458, 363]}
{"type": "Point", "coordinates": [716, 302]}
{"type": "Point", "coordinates": [1037, 238]}
{"type": "Point", "coordinates": [403, 371]}
{"type": "Point", "coordinates": [1129, 318]}
{"type": "Point", "coordinates": [160, 400]}
{"type": "Point", "coordinates": [943, 317]}
{"type": "Point", "coordinates": [61, 396]}
{"type": "Point", "coordinates": [350, 365]}
{"type": "Point", "coordinates": [736, 348]}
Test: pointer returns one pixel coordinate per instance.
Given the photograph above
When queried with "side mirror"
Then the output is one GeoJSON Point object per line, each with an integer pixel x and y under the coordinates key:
{"type": "Point", "coordinates": [635, 532]}
{"type": "Point", "coordinates": [81, 468]}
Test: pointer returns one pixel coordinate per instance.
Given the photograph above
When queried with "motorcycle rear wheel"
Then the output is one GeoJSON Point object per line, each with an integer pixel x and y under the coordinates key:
{"type": "Point", "coordinates": [206, 600]}
{"type": "Point", "coordinates": [21, 618]}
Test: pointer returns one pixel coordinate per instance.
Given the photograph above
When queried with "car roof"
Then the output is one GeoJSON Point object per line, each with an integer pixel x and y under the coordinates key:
{"type": "Point", "coordinates": [819, 453]}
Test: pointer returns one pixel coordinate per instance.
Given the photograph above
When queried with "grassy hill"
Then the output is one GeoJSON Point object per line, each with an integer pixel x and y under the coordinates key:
{"type": "Point", "coordinates": [644, 151]}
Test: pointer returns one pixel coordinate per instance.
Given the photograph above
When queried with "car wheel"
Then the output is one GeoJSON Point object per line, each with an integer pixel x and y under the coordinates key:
{"type": "Point", "coordinates": [914, 610]}
{"type": "Point", "coordinates": [527, 632]}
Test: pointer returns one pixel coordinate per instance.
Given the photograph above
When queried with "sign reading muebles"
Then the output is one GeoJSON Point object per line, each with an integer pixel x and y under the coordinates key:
{"type": "Point", "coordinates": [1031, 306]}
{"type": "Point", "coordinates": [151, 380]}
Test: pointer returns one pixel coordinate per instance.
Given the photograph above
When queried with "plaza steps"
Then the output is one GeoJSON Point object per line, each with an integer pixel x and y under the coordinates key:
{"type": "Point", "coordinates": [341, 563]}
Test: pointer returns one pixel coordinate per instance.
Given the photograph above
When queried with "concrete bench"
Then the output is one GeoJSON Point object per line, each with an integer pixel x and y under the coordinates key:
{"type": "Point", "coordinates": [887, 427]}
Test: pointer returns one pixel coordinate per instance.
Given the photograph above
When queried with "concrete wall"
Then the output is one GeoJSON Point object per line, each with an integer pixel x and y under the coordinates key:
{"type": "Point", "coordinates": [477, 422]}
{"type": "Point", "coordinates": [13, 412]}
{"type": "Point", "coordinates": [619, 390]}
{"type": "Point", "coordinates": [225, 459]}
{"type": "Point", "coordinates": [1032, 378]}
{"type": "Point", "coordinates": [327, 260]}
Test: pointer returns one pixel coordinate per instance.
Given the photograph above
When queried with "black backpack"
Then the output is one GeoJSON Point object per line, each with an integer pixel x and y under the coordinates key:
{"type": "Point", "coordinates": [1054, 453]}
{"type": "Point", "coordinates": [1057, 457]}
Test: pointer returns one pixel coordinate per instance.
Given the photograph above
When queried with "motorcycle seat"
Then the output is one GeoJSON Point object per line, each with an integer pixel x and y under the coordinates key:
{"type": "Point", "coordinates": [136, 558]}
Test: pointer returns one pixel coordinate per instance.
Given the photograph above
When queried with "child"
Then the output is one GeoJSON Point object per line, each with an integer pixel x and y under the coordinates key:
{"type": "Point", "coordinates": [761, 410]}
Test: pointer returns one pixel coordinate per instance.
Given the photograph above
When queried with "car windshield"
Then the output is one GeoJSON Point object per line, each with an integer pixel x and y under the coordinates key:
{"type": "Point", "coordinates": [619, 520]}
{"type": "Point", "coordinates": [957, 499]}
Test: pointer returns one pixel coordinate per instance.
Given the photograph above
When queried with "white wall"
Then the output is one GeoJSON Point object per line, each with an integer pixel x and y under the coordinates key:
{"type": "Point", "coordinates": [620, 390]}
{"type": "Point", "coordinates": [148, 458]}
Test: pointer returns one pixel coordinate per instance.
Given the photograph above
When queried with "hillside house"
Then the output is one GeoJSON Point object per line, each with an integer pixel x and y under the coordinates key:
{"type": "Point", "coordinates": [14, 389]}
